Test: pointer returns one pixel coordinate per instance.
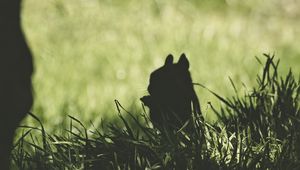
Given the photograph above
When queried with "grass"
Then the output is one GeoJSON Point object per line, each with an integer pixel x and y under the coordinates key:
{"type": "Point", "coordinates": [90, 52]}
{"type": "Point", "coordinates": [256, 130]}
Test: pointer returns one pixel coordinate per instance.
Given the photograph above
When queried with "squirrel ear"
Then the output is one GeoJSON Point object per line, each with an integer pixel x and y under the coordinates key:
{"type": "Point", "coordinates": [169, 60]}
{"type": "Point", "coordinates": [184, 62]}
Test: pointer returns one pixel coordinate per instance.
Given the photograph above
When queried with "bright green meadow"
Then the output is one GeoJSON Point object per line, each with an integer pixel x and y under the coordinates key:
{"type": "Point", "coordinates": [87, 53]}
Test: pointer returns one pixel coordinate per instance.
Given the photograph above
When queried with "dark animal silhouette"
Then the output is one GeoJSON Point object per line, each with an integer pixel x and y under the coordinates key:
{"type": "Point", "coordinates": [15, 76]}
{"type": "Point", "coordinates": [172, 97]}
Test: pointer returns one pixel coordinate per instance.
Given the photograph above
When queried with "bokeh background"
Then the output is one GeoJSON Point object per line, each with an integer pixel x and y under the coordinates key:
{"type": "Point", "coordinates": [89, 52]}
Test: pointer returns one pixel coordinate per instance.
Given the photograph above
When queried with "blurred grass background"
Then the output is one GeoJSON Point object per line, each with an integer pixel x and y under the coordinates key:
{"type": "Point", "coordinates": [89, 52]}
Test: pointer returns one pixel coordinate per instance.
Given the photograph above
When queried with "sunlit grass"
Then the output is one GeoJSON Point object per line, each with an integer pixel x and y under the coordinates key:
{"type": "Point", "coordinates": [256, 130]}
{"type": "Point", "coordinates": [89, 52]}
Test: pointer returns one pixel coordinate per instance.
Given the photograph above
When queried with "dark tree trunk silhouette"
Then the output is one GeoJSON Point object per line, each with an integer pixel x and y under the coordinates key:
{"type": "Point", "coordinates": [15, 76]}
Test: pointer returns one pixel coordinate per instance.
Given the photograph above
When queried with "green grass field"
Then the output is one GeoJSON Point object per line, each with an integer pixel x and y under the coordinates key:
{"type": "Point", "coordinates": [89, 52]}
{"type": "Point", "coordinates": [256, 130]}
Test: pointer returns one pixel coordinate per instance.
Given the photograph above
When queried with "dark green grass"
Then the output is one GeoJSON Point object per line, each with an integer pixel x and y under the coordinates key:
{"type": "Point", "coordinates": [258, 130]}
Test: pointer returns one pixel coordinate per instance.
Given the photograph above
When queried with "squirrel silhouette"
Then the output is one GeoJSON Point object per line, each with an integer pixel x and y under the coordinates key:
{"type": "Point", "coordinates": [172, 98]}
